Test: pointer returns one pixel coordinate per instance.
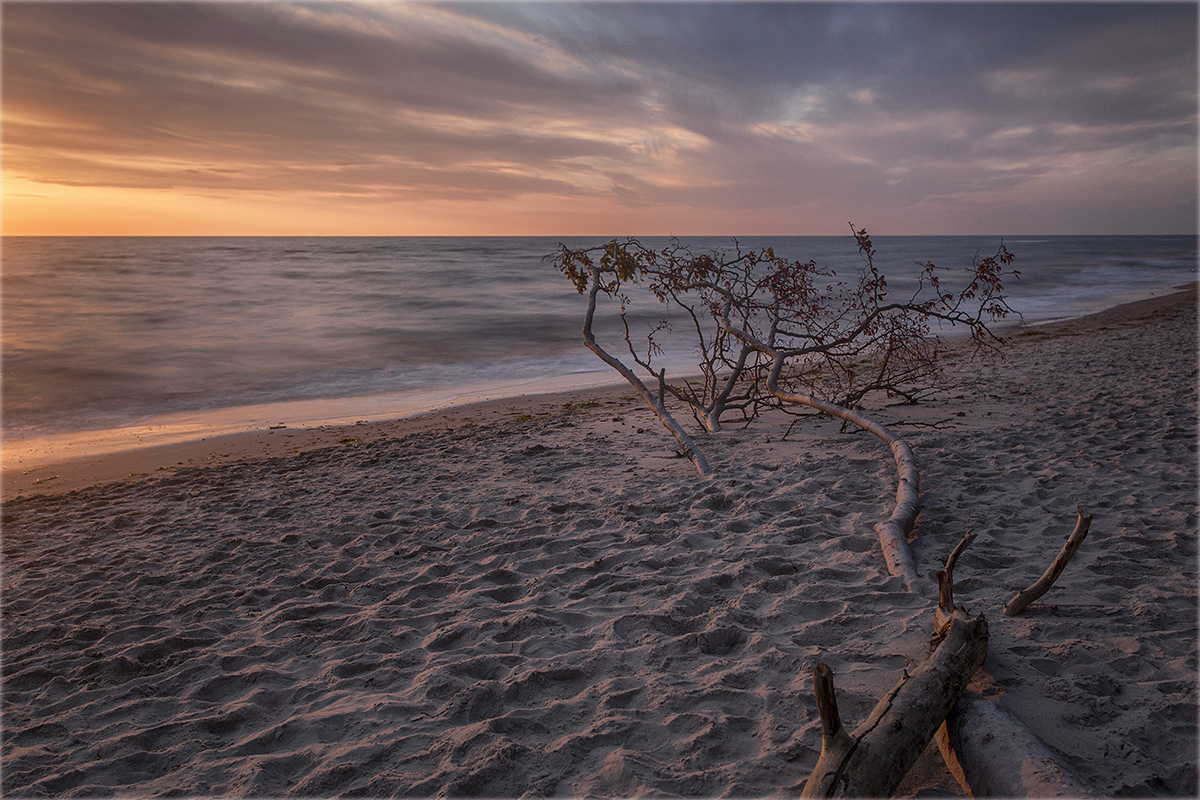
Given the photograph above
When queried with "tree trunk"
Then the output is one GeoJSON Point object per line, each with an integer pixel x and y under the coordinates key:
{"type": "Point", "coordinates": [712, 419]}
{"type": "Point", "coordinates": [993, 754]}
{"type": "Point", "coordinates": [873, 760]}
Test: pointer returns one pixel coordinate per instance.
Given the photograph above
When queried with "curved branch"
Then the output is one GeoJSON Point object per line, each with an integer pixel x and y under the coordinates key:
{"type": "Point", "coordinates": [892, 532]}
{"type": "Point", "coordinates": [1043, 584]}
{"type": "Point", "coordinates": [655, 401]}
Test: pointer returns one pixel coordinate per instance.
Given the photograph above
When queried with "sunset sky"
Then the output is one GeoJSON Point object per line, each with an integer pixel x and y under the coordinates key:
{"type": "Point", "coordinates": [572, 118]}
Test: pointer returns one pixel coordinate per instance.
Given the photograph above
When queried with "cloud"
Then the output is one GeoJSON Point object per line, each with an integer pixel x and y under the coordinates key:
{"type": "Point", "coordinates": [107, 90]}
{"type": "Point", "coordinates": [706, 105]}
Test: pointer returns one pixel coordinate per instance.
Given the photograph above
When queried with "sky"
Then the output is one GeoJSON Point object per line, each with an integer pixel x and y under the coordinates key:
{"type": "Point", "coordinates": [385, 118]}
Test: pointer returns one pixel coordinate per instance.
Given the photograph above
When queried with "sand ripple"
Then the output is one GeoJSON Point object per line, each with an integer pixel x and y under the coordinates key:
{"type": "Point", "coordinates": [556, 606]}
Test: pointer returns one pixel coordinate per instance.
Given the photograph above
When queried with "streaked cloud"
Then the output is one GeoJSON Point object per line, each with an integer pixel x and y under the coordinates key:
{"type": "Point", "coordinates": [791, 117]}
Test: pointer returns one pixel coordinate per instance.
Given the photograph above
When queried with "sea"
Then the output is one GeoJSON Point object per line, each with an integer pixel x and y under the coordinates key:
{"type": "Point", "coordinates": [112, 342]}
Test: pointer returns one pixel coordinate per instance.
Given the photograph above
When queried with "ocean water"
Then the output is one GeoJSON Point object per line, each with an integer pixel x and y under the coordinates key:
{"type": "Point", "coordinates": [105, 333]}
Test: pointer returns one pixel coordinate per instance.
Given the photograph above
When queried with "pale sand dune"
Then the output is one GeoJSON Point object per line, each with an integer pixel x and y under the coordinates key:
{"type": "Point", "coordinates": [557, 606]}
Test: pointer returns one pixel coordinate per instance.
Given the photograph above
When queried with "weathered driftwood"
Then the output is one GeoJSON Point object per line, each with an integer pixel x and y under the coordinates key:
{"type": "Point", "coordinates": [1043, 584]}
{"type": "Point", "coordinates": [892, 532]}
{"type": "Point", "coordinates": [952, 559]}
{"type": "Point", "coordinates": [871, 761]}
{"type": "Point", "coordinates": [656, 402]}
{"type": "Point", "coordinates": [945, 579]}
{"type": "Point", "coordinates": [993, 754]}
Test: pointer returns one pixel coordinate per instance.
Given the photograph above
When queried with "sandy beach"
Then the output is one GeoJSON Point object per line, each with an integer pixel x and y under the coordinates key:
{"type": "Point", "coordinates": [538, 597]}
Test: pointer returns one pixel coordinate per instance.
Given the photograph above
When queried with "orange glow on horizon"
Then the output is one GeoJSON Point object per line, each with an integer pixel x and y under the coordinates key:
{"type": "Point", "coordinates": [395, 119]}
{"type": "Point", "coordinates": [40, 209]}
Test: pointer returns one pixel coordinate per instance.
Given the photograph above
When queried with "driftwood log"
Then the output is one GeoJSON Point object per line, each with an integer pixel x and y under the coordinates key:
{"type": "Point", "coordinates": [873, 760]}
{"type": "Point", "coordinates": [1043, 584]}
{"type": "Point", "coordinates": [993, 754]}
{"type": "Point", "coordinates": [990, 752]}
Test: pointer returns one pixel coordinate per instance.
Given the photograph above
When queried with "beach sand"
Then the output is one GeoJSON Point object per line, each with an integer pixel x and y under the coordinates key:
{"type": "Point", "coordinates": [538, 597]}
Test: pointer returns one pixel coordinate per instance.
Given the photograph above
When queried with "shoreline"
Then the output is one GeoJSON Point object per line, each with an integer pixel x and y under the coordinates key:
{"type": "Point", "coordinates": [143, 462]}
{"type": "Point", "coordinates": [545, 600]}
{"type": "Point", "coordinates": [24, 476]}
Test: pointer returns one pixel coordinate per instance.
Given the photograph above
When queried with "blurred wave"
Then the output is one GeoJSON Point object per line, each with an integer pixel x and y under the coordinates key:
{"type": "Point", "coordinates": [102, 331]}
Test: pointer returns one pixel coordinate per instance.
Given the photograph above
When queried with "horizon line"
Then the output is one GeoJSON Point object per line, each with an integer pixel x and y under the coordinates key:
{"type": "Point", "coordinates": [607, 236]}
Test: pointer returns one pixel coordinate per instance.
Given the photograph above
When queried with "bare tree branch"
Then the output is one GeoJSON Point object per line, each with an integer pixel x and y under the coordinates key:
{"type": "Point", "coordinates": [655, 402]}
{"type": "Point", "coordinates": [1052, 573]}
{"type": "Point", "coordinates": [772, 332]}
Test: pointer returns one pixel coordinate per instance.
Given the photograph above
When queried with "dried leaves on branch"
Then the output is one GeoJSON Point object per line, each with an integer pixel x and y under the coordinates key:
{"type": "Point", "coordinates": [769, 331]}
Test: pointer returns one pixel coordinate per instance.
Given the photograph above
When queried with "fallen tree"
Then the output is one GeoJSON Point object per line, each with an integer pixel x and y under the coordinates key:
{"type": "Point", "coordinates": [987, 750]}
{"type": "Point", "coordinates": [773, 333]}
{"type": "Point", "coordinates": [873, 760]}
{"type": "Point", "coordinates": [777, 333]}
{"type": "Point", "coordinates": [993, 754]}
